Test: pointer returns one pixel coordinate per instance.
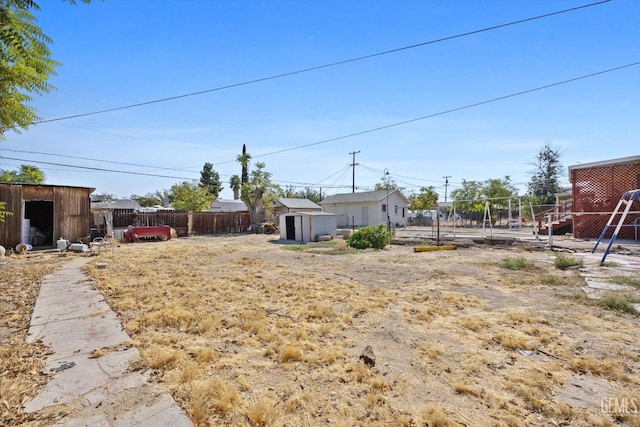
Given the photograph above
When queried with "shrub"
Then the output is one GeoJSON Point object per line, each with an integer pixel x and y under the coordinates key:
{"type": "Point", "coordinates": [618, 301]}
{"type": "Point", "coordinates": [563, 261]}
{"type": "Point", "coordinates": [373, 236]}
{"type": "Point", "coordinates": [517, 263]}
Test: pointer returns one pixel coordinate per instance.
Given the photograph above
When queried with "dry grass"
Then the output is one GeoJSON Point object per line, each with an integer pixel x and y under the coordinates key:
{"type": "Point", "coordinates": [243, 332]}
{"type": "Point", "coordinates": [21, 364]}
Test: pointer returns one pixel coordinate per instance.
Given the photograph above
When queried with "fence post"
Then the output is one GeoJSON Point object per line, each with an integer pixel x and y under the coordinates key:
{"type": "Point", "coordinates": [189, 223]}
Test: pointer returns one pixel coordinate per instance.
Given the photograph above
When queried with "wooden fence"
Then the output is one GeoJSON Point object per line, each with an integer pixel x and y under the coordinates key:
{"type": "Point", "coordinates": [186, 223]}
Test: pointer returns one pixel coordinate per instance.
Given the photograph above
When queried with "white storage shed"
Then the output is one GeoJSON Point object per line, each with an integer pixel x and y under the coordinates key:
{"type": "Point", "coordinates": [307, 226]}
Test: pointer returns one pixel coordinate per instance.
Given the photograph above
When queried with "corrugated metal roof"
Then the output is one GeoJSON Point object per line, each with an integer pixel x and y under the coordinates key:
{"type": "Point", "coordinates": [228, 205]}
{"type": "Point", "coordinates": [116, 204]}
{"type": "Point", "coordinates": [292, 203]}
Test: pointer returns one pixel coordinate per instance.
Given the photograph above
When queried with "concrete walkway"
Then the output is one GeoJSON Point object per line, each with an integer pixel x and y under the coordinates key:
{"type": "Point", "coordinates": [72, 318]}
{"type": "Point", "coordinates": [598, 278]}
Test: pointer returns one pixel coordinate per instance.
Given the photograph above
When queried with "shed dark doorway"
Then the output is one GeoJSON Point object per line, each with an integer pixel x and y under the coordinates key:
{"type": "Point", "coordinates": [291, 227]}
{"type": "Point", "coordinates": [40, 214]}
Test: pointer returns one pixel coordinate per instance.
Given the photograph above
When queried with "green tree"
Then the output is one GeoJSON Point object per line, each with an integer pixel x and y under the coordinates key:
{"type": "Point", "coordinates": [469, 198]}
{"type": "Point", "coordinates": [162, 198]}
{"type": "Point", "coordinates": [27, 174]}
{"type": "Point", "coordinates": [235, 183]}
{"type": "Point", "coordinates": [311, 194]}
{"type": "Point", "coordinates": [545, 177]}
{"type": "Point", "coordinates": [210, 180]}
{"type": "Point", "coordinates": [3, 211]}
{"type": "Point", "coordinates": [499, 188]}
{"type": "Point", "coordinates": [381, 186]}
{"type": "Point", "coordinates": [289, 192]}
{"type": "Point", "coordinates": [190, 197]}
{"type": "Point", "coordinates": [502, 190]}
{"type": "Point", "coordinates": [386, 183]}
{"type": "Point", "coordinates": [308, 193]}
{"type": "Point", "coordinates": [472, 195]}
{"type": "Point", "coordinates": [25, 64]}
{"type": "Point", "coordinates": [259, 194]}
{"type": "Point", "coordinates": [426, 199]}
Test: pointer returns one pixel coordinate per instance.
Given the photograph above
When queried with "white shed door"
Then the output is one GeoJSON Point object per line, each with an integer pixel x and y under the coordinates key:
{"type": "Point", "coordinates": [364, 215]}
{"type": "Point", "coordinates": [298, 228]}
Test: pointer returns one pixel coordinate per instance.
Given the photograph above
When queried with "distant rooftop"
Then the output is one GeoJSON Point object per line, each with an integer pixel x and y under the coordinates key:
{"type": "Point", "coordinates": [116, 204]}
{"type": "Point", "coordinates": [292, 203]}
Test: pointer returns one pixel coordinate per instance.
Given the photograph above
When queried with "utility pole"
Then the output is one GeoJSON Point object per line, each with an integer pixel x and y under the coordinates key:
{"type": "Point", "coordinates": [386, 180]}
{"type": "Point", "coordinates": [353, 165]}
{"type": "Point", "coordinates": [446, 185]}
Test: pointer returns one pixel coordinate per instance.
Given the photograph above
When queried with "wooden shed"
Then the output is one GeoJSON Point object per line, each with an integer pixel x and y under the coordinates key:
{"type": "Point", "coordinates": [41, 214]}
{"type": "Point", "coordinates": [307, 226]}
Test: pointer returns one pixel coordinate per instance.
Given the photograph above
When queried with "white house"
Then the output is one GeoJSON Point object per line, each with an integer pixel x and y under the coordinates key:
{"type": "Point", "coordinates": [228, 205]}
{"type": "Point", "coordinates": [307, 226]}
{"type": "Point", "coordinates": [368, 208]}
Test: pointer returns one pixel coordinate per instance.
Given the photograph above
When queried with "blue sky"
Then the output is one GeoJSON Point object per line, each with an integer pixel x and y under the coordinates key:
{"type": "Point", "coordinates": [121, 52]}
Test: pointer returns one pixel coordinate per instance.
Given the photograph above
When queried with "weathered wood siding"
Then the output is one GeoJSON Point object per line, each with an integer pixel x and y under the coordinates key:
{"type": "Point", "coordinates": [174, 219]}
{"type": "Point", "coordinates": [70, 210]}
{"type": "Point", "coordinates": [10, 229]}
{"type": "Point", "coordinates": [201, 222]}
{"type": "Point", "coordinates": [220, 222]}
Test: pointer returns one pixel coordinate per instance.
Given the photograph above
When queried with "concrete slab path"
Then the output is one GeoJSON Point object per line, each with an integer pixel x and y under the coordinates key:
{"type": "Point", "coordinates": [598, 278]}
{"type": "Point", "coordinates": [73, 319]}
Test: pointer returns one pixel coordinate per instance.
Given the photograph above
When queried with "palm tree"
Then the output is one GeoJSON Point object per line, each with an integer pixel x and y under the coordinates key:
{"type": "Point", "coordinates": [244, 159]}
{"type": "Point", "coordinates": [235, 184]}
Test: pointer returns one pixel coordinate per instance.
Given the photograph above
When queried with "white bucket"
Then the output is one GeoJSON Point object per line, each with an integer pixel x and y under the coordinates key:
{"type": "Point", "coordinates": [23, 247]}
{"type": "Point", "coordinates": [62, 244]}
{"type": "Point", "coordinates": [25, 236]}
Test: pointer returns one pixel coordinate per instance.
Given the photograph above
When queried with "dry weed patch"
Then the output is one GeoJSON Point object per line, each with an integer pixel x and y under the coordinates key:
{"type": "Point", "coordinates": [244, 332]}
{"type": "Point", "coordinates": [293, 325]}
{"type": "Point", "coordinates": [21, 364]}
{"type": "Point", "coordinates": [263, 413]}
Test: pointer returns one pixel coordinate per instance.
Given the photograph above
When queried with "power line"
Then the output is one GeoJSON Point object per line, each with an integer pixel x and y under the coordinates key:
{"type": "Point", "coordinates": [93, 160]}
{"type": "Point", "coordinates": [319, 67]}
{"type": "Point", "coordinates": [332, 175]}
{"type": "Point", "coordinates": [500, 98]}
{"type": "Point", "coordinates": [476, 104]}
{"type": "Point", "coordinates": [403, 176]}
{"type": "Point", "coordinates": [539, 88]}
{"type": "Point", "coordinates": [99, 169]}
{"type": "Point", "coordinates": [302, 184]}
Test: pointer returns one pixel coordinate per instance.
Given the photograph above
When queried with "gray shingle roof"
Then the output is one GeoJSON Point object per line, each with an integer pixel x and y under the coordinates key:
{"type": "Point", "coordinates": [362, 197]}
{"type": "Point", "coordinates": [297, 203]}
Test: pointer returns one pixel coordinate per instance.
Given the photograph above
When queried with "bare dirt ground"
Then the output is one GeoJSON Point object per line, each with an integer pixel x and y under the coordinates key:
{"type": "Point", "coordinates": [243, 330]}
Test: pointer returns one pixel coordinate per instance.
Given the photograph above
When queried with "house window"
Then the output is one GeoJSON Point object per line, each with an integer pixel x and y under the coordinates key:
{"type": "Point", "coordinates": [384, 207]}
{"type": "Point", "coordinates": [396, 210]}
